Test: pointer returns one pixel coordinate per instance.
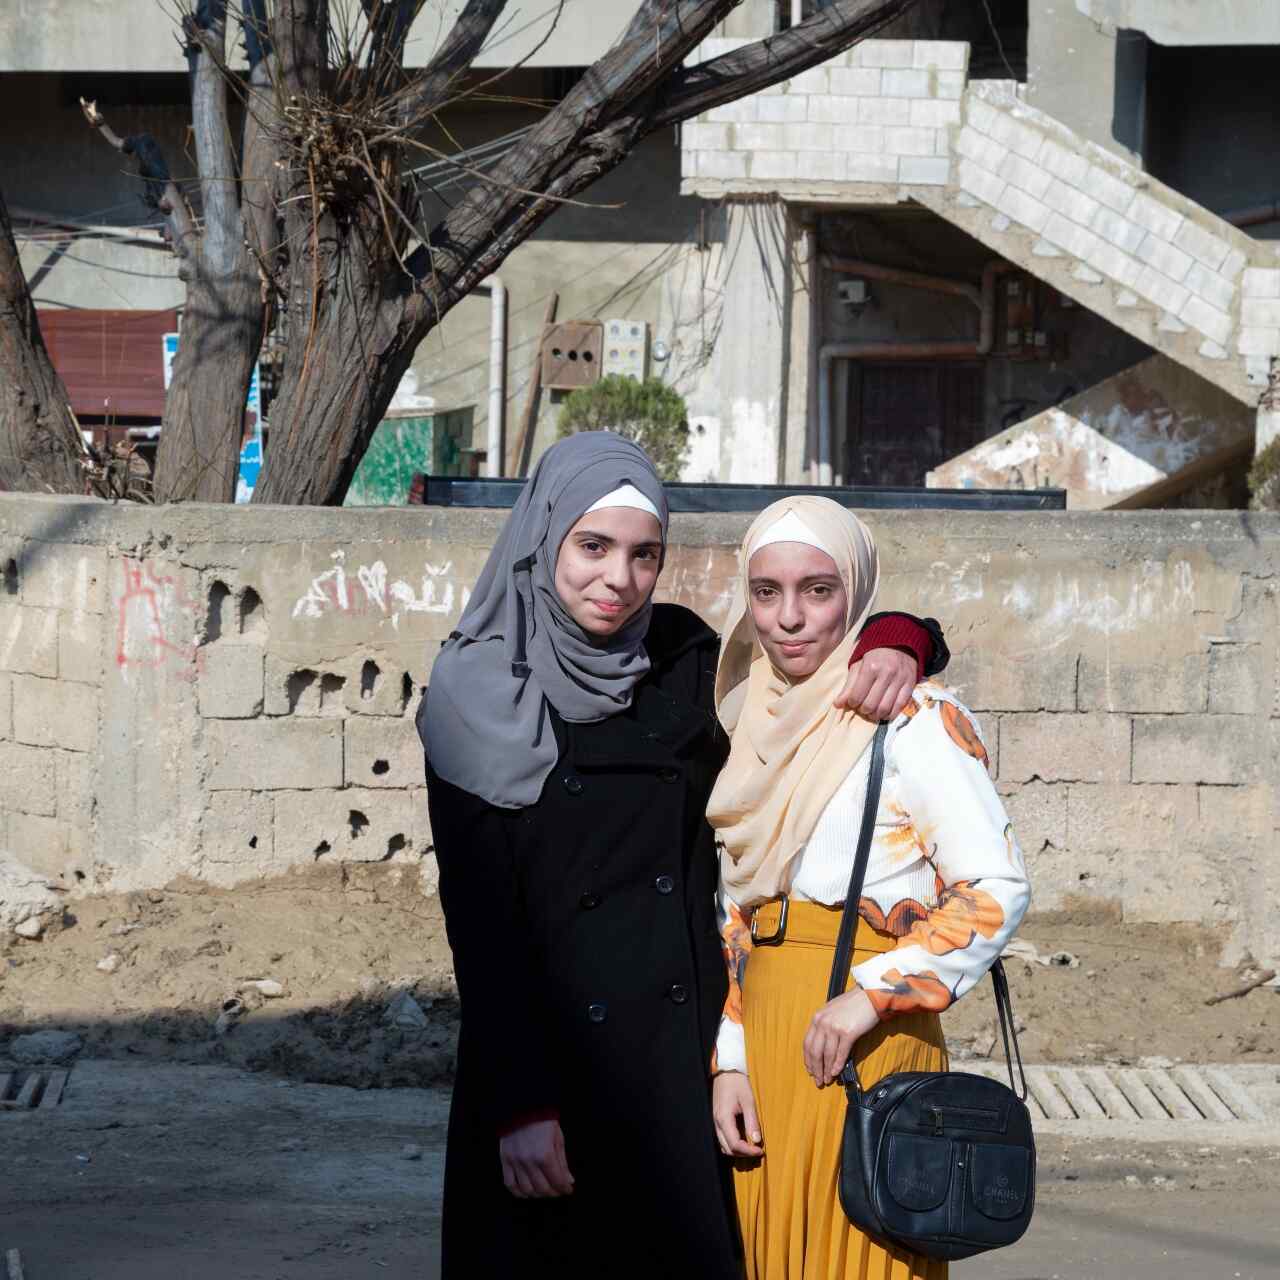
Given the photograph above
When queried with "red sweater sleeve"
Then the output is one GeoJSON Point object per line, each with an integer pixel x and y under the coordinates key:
{"type": "Point", "coordinates": [527, 1117]}
{"type": "Point", "coordinates": [896, 631]}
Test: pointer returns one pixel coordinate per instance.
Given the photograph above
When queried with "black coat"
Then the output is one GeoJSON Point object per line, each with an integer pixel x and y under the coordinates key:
{"type": "Point", "coordinates": [589, 967]}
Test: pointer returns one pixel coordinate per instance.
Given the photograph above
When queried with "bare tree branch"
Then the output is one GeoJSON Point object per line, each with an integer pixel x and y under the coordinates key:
{"type": "Point", "coordinates": [619, 101]}
{"type": "Point", "coordinates": [260, 149]}
{"type": "Point", "coordinates": [206, 34]}
{"type": "Point", "coordinates": [657, 39]}
{"type": "Point", "coordinates": [389, 23]}
{"type": "Point", "coordinates": [745, 71]}
{"type": "Point", "coordinates": [41, 448]}
{"type": "Point", "coordinates": [161, 192]}
{"type": "Point", "coordinates": [301, 31]}
{"type": "Point", "coordinates": [431, 87]}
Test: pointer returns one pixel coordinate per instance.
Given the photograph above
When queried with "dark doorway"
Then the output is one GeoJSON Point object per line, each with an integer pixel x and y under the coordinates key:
{"type": "Point", "coordinates": [905, 419]}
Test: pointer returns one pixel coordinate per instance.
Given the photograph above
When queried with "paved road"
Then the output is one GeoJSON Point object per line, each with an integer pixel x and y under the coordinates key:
{"type": "Point", "coordinates": [1142, 1235]}
{"type": "Point", "coordinates": [151, 1171]}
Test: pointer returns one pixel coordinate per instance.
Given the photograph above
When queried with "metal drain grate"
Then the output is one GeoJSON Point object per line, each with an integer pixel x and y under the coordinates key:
{"type": "Point", "coordinates": [29, 1090]}
{"type": "Point", "coordinates": [1136, 1094]}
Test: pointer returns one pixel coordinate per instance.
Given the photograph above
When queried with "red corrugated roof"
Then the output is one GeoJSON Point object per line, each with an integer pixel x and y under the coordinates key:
{"type": "Point", "coordinates": [111, 361]}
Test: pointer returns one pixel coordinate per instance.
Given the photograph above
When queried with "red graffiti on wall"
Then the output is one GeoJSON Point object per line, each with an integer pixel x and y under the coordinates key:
{"type": "Point", "coordinates": [155, 624]}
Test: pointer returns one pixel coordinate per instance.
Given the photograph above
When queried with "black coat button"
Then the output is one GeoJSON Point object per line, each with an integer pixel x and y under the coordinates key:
{"type": "Point", "coordinates": [679, 994]}
{"type": "Point", "coordinates": [597, 1012]}
{"type": "Point", "coordinates": [573, 785]}
{"type": "Point", "coordinates": [589, 901]}
{"type": "Point", "coordinates": [669, 775]}
{"type": "Point", "coordinates": [664, 884]}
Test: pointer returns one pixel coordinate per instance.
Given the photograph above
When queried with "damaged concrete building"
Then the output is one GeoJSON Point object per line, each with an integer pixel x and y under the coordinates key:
{"type": "Point", "coordinates": [1017, 244]}
{"type": "Point", "coordinates": [1044, 264]}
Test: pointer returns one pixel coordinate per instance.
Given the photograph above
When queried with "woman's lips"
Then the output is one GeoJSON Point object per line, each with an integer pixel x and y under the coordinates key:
{"type": "Point", "coordinates": [610, 608]}
{"type": "Point", "coordinates": [793, 650]}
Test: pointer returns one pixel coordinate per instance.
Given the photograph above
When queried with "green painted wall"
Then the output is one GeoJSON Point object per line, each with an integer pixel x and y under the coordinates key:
{"type": "Point", "coordinates": [435, 444]}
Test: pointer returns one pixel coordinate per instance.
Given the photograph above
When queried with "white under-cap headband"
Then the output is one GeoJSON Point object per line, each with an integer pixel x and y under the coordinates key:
{"type": "Point", "coordinates": [790, 528]}
{"type": "Point", "coordinates": [626, 495]}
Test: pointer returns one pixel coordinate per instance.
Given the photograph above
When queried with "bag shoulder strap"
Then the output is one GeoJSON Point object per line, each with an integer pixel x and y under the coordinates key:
{"type": "Point", "coordinates": [849, 921]}
{"type": "Point", "coordinates": [842, 961]}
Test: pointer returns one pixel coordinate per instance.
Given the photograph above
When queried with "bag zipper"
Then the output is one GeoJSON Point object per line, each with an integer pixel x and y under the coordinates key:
{"type": "Point", "coordinates": [938, 1113]}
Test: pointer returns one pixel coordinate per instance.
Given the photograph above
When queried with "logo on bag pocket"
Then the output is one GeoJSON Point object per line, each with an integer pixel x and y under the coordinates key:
{"type": "Point", "coordinates": [1002, 1192]}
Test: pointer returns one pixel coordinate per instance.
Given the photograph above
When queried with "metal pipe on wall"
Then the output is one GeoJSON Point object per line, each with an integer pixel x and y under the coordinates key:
{"type": "Point", "coordinates": [984, 298]}
{"type": "Point", "coordinates": [1253, 216]}
{"type": "Point", "coordinates": [812, 393]}
{"type": "Point", "coordinates": [497, 374]}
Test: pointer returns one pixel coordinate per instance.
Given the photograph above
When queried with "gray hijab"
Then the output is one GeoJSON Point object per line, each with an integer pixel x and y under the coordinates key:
{"type": "Point", "coordinates": [517, 651]}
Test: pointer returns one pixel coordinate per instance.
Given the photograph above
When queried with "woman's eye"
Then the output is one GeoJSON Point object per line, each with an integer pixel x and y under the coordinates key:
{"type": "Point", "coordinates": [591, 547]}
{"type": "Point", "coordinates": [646, 553]}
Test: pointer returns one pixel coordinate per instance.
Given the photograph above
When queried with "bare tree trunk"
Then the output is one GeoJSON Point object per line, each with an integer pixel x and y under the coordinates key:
{"type": "Point", "coordinates": [199, 451]}
{"type": "Point", "coordinates": [224, 315]}
{"type": "Point", "coordinates": [337, 382]}
{"type": "Point", "coordinates": [41, 447]}
{"type": "Point", "coordinates": [349, 345]}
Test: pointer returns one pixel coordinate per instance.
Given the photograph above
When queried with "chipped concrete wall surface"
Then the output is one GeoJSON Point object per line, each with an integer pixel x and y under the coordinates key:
{"type": "Point", "coordinates": [226, 693]}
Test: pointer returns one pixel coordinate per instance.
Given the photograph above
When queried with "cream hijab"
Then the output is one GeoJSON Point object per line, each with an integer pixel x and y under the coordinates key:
{"type": "Point", "coordinates": [790, 748]}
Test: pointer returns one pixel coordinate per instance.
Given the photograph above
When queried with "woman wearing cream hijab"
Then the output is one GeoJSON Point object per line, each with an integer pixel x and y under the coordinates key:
{"type": "Point", "coordinates": [945, 889]}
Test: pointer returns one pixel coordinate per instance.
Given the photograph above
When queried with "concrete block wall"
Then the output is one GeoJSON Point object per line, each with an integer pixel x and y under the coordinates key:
{"type": "Point", "coordinates": [879, 114]}
{"type": "Point", "coordinates": [226, 693]}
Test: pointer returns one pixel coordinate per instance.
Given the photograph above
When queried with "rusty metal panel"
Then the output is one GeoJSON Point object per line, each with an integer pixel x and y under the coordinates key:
{"type": "Point", "coordinates": [112, 362]}
{"type": "Point", "coordinates": [571, 354]}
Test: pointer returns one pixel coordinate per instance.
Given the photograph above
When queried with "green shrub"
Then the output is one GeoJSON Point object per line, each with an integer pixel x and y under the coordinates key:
{"type": "Point", "coordinates": [1264, 479]}
{"type": "Point", "coordinates": [649, 412]}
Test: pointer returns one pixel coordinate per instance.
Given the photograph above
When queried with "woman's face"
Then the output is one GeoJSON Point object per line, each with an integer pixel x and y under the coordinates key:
{"type": "Point", "coordinates": [798, 604]}
{"type": "Point", "coordinates": [607, 568]}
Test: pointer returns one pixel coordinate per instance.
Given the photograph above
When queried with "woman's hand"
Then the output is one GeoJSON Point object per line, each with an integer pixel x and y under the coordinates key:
{"type": "Point", "coordinates": [733, 1107]}
{"type": "Point", "coordinates": [534, 1166]}
{"type": "Point", "coordinates": [879, 685]}
{"type": "Point", "coordinates": [834, 1031]}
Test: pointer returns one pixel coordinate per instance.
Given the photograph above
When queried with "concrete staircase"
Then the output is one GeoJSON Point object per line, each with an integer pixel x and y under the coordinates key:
{"type": "Point", "coordinates": [1112, 238]}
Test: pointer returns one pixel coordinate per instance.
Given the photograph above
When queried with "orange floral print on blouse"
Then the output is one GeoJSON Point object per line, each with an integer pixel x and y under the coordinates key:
{"type": "Point", "coordinates": [735, 943]}
{"type": "Point", "coordinates": [963, 734]}
{"type": "Point", "coordinates": [909, 994]}
{"type": "Point", "coordinates": [964, 912]}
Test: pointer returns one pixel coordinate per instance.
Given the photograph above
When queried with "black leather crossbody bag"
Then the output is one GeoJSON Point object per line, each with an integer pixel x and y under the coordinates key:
{"type": "Point", "coordinates": [941, 1163]}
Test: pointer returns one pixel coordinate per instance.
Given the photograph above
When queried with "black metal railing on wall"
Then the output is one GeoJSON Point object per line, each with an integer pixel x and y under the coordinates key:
{"type": "Point", "coordinates": [452, 491]}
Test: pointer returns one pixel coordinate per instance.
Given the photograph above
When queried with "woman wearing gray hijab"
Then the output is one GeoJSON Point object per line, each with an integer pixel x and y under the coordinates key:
{"type": "Point", "coordinates": [571, 745]}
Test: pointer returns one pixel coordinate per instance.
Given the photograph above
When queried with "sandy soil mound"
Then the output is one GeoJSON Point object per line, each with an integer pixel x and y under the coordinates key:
{"type": "Point", "coordinates": [1137, 992]}
{"type": "Point", "coordinates": [367, 996]}
{"type": "Point", "coordinates": [172, 974]}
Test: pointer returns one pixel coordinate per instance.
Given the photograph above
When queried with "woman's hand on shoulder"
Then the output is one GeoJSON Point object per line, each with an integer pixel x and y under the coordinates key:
{"type": "Point", "coordinates": [879, 685]}
{"type": "Point", "coordinates": [834, 1031]}
{"type": "Point", "coordinates": [733, 1108]}
{"type": "Point", "coordinates": [534, 1164]}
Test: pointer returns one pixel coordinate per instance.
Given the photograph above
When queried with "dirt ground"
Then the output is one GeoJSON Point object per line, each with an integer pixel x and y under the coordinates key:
{"type": "Point", "coordinates": [151, 1170]}
{"type": "Point", "coordinates": [276, 1148]}
{"type": "Point", "coordinates": [343, 941]}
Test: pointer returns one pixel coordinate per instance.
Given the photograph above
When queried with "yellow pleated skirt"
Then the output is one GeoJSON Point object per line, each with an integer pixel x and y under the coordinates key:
{"type": "Point", "coordinates": [793, 1227]}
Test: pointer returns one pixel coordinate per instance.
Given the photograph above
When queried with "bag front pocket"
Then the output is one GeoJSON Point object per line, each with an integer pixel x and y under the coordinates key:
{"type": "Point", "coordinates": [999, 1179]}
{"type": "Point", "coordinates": [919, 1171]}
